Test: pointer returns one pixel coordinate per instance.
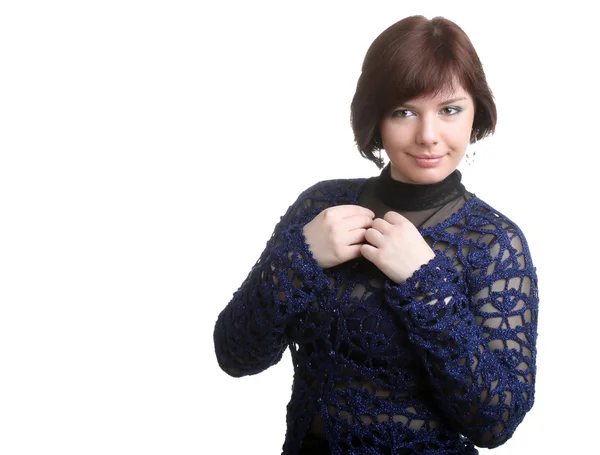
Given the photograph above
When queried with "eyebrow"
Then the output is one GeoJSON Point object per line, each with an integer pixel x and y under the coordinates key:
{"type": "Point", "coordinates": [450, 101]}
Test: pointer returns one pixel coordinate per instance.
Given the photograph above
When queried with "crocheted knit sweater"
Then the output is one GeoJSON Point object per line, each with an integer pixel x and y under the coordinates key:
{"type": "Point", "coordinates": [433, 365]}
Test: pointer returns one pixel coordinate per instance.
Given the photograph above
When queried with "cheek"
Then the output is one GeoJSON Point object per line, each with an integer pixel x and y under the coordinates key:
{"type": "Point", "coordinates": [461, 133]}
{"type": "Point", "coordinates": [395, 136]}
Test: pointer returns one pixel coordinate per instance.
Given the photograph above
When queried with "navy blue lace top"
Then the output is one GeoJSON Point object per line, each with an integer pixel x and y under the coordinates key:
{"type": "Point", "coordinates": [438, 364]}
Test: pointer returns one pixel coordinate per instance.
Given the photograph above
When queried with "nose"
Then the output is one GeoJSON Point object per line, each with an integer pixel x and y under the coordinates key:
{"type": "Point", "coordinates": [428, 132]}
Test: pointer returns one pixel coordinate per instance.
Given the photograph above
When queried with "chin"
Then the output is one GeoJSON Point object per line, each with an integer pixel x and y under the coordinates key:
{"type": "Point", "coordinates": [422, 176]}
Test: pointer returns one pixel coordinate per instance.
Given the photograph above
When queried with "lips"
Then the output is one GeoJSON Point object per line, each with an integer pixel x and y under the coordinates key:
{"type": "Point", "coordinates": [428, 162]}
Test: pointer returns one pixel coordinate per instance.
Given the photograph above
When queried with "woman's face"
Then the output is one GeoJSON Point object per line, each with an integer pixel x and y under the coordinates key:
{"type": "Point", "coordinates": [434, 126]}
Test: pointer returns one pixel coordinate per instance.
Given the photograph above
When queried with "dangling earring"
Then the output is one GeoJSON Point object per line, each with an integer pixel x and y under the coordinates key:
{"type": "Point", "coordinates": [474, 153]}
{"type": "Point", "coordinates": [474, 133]}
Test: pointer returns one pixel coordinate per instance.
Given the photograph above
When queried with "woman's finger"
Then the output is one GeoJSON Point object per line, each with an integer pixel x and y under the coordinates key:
{"type": "Point", "coordinates": [355, 222]}
{"type": "Point", "coordinates": [355, 236]}
{"type": "Point", "coordinates": [394, 217]}
{"type": "Point", "coordinates": [374, 237]}
{"type": "Point", "coordinates": [381, 225]}
{"type": "Point", "coordinates": [348, 210]}
{"type": "Point", "coordinates": [350, 252]}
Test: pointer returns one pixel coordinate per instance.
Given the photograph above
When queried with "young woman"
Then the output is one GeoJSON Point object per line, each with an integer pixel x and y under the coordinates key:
{"type": "Point", "coordinates": [409, 304]}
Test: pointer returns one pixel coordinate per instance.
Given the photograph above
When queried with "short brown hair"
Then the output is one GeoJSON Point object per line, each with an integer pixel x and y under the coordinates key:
{"type": "Point", "coordinates": [417, 57]}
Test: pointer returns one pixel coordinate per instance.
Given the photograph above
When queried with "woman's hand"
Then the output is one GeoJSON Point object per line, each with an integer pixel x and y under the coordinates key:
{"type": "Point", "coordinates": [396, 247]}
{"type": "Point", "coordinates": [335, 235]}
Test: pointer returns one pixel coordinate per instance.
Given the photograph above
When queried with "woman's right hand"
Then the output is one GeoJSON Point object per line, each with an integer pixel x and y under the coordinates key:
{"type": "Point", "coordinates": [335, 235]}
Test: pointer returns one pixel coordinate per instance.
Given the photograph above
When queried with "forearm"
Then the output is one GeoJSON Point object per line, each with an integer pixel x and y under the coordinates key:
{"type": "Point", "coordinates": [250, 332]}
{"type": "Point", "coordinates": [247, 338]}
{"type": "Point", "coordinates": [486, 393]}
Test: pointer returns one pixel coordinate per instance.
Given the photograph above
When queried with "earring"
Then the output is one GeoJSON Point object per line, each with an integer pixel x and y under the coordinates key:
{"type": "Point", "coordinates": [474, 153]}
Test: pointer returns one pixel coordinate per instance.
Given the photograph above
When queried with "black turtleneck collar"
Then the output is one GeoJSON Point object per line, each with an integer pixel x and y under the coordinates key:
{"type": "Point", "coordinates": [412, 197]}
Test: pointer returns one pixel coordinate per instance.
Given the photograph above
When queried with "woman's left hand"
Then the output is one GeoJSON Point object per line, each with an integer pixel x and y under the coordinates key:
{"type": "Point", "coordinates": [396, 247]}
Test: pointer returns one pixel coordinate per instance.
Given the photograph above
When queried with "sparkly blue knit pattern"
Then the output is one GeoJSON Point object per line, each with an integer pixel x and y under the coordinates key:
{"type": "Point", "coordinates": [438, 364]}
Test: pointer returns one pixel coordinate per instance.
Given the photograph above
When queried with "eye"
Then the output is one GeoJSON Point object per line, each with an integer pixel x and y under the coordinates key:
{"type": "Point", "coordinates": [402, 113]}
{"type": "Point", "coordinates": [451, 110]}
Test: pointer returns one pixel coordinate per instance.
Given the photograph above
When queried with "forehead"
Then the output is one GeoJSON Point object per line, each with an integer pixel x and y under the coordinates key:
{"type": "Point", "coordinates": [443, 94]}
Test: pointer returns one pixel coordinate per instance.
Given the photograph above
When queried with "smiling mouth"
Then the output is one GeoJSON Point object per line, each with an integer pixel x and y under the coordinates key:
{"type": "Point", "coordinates": [428, 157]}
{"type": "Point", "coordinates": [428, 162]}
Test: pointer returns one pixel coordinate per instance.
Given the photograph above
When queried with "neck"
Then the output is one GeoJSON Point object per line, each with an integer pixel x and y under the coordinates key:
{"type": "Point", "coordinates": [411, 197]}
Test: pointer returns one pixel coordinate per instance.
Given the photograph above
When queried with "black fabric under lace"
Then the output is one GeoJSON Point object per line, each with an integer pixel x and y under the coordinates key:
{"type": "Point", "coordinates": [403, 196]}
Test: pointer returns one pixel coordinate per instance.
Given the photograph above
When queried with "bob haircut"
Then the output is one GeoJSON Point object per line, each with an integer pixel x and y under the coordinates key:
{"type": "Point", "coordinates": [417, 57]}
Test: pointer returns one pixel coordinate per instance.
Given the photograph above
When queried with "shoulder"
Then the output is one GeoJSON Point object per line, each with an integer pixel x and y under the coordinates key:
{"type": "Point", "coordinates": [482, 212]}
{"type": "Point", "coordinates": [324, 194]}
{"type": "Point", "coordinates": [502, 233]}
{"type": "Point", "coordinates": [342, 189]}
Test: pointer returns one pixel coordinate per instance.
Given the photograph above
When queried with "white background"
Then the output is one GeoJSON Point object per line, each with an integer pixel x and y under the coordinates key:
{"type": "Point", "coordinates": [147, 150]}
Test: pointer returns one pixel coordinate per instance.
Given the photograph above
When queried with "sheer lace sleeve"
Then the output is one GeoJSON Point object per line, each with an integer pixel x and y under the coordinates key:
{"type": "Point", "coordinates": [250, 332]}
{"type": "Point", "coordinates": [476, 334]}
